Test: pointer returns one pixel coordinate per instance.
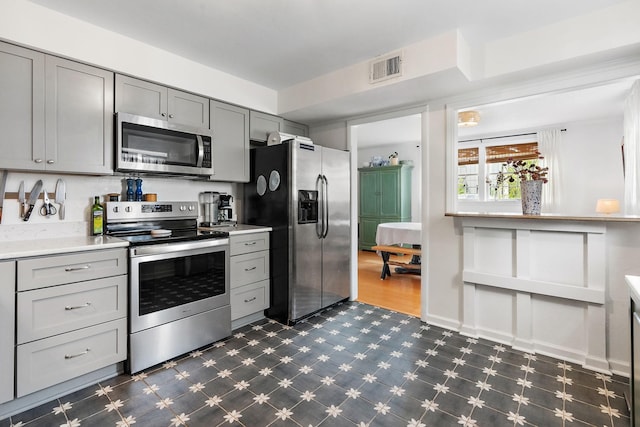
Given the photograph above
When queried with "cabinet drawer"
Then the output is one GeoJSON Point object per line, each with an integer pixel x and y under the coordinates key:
{"type": "Point", "coordinates": [36, 273]}
{"type": "Point", "coordinates": [249, 299]}
{"type": "Point", "coordinates": [50, 361]}
{"type": "Point", "coordinates": [246, 243]}
{"type": "Point", "coordinates": [249, 268]}
{"type": "Point", "coordinates": [59, 309]}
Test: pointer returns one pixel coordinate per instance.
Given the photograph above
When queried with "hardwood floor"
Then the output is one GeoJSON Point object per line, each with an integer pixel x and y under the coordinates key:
{"type": "Point", "coordinates": [400, 292]}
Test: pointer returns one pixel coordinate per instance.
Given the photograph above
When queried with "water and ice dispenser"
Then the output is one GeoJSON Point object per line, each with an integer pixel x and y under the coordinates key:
{"type": "Point", "coordinates": [307, 206]}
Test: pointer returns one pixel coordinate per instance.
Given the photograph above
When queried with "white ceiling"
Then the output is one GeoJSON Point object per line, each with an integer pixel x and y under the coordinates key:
{"type": "Point", "coordinates": [280, 43]}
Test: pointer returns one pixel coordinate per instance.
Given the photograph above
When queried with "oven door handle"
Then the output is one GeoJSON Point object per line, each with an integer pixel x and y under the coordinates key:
{"type": "Point", "coordinates": [165, 248]}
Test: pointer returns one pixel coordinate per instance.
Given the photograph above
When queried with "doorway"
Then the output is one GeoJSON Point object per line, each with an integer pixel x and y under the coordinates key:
{"type": "Point", "coordinates": [378, 138]}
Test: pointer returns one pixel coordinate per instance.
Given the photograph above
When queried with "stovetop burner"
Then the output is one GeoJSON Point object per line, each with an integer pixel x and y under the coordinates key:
{"type": "Point", "coordinates": [134, 222]}
{"type": "Point", "coordinates": [176, 236]}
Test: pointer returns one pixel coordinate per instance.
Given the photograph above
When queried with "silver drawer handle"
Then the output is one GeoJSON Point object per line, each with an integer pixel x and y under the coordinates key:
{"type": "Point", "coordinates": [71, 356]}
{"type": "Point", "coordinates": [250, 269]}
{"type": "Point", "coordinates": [84, 267]}
{"type": "Point", "coordinates": [250, 243]}
{"type": "Point", "coordinates": [75, 307]}
{"type": "Point", "coordinates": [250, 299]}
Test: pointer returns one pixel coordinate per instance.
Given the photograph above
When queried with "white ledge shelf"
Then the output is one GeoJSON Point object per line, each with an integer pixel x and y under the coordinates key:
{"type": "Point", "coordinates": [546, 216]}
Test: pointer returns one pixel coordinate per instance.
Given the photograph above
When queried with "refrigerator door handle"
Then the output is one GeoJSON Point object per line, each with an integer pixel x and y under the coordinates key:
{"type": "Point", "coordinates": [325, 210]}
{"type": "Point", "coordinates": [320, 223]}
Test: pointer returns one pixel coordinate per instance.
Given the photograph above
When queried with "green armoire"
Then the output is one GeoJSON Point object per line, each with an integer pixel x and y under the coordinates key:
{"type": "Point", "coordinates": [385, 196]}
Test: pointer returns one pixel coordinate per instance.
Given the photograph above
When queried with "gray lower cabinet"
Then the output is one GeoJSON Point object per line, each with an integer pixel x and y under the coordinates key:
{"type": "Point", "coordinates": [249, 277]}
{"type": "Point", "coordinates": [159, 102]}
{"type": "Point", "coordinates": [71, 316]}
{"type": "Point", "coordinates": [57, 115]}
{"type": "Point", "coordinates": [7, 328]}
{"type": "Point", "coordinates": [262, 124]}
{"type": "Point", "coordinates": [230, 125]}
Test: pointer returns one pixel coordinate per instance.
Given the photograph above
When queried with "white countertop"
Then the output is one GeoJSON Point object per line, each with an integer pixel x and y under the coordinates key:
{"type": "Point", "coordinates": [238, 229]}
{"type": "Point", "coordinates": [54, 246]}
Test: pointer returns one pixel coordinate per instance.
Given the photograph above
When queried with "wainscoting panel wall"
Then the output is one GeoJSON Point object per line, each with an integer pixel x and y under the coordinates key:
{"type": "Point", "coordinates": [538, 285]}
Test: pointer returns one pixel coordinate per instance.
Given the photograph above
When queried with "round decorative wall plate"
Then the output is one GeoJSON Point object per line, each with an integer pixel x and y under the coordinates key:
{"type": "Point", "coordinates": [261, 185]}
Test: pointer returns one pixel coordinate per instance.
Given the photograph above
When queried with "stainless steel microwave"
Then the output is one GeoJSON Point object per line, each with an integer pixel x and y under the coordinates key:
{"type": "Point", "coordinates": [152, 146]}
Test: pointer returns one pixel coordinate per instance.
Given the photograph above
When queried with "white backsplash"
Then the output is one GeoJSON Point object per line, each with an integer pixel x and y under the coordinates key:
{"type": "Point", "coordinates": [80, 193]}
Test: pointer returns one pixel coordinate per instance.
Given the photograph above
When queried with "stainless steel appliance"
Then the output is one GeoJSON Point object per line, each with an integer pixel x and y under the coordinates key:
{"type": "Point", "coordinates": [209, 201]}
{"type": "Point", "coordinates": [178, 279]}
{"type": "Point", "coordinates": [302, 191]}
{"type": "Point", "coordinates": [154, 146]}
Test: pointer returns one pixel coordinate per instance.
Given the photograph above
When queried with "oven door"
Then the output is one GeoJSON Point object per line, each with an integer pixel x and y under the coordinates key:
{"type": "Point", "coordinates": [173, 281]}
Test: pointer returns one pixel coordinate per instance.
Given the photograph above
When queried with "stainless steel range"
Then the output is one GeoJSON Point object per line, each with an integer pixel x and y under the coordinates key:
{"type": "Point", "coordinates": [178, 279]}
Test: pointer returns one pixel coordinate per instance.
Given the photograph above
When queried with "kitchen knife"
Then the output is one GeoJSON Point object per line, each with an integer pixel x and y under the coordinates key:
{"type": "Point", "coordinates": [21, 199]}
{"type": "Point", "coordinates": [3, 183]}
{"type": "Point", "coordinates": [61, 194]}
{"type": "Point", "coordinates": [33, 198]}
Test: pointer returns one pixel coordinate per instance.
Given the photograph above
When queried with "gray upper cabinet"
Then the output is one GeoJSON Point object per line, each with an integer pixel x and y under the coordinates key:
{"type": "Point", "coordinates": [160, 102]}
{"type": "Point", "coordinates": [294, 128]}
{"type": "Point", "coordinates": [21, 108]}
{"type": "Point", "coordinates": [57, 115]}
{"type": "Point", "coordinates": [230, 125]}
{"type": "Point", "coordinates": [263, 124]}
{"type": "Point", "coordinates": [79, 117]}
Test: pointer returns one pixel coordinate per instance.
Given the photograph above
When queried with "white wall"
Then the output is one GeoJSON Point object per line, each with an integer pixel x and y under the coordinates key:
{"type": "Point", "coordinates": [406, 151]}
{"type": "Point", "coordinates": [591, 165]}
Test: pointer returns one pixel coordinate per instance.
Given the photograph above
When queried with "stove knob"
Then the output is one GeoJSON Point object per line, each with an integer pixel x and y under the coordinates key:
{"type": "Point", "coordinates": [190, 208]}
{"type": "Point", "coordinates": [127, 209]}
{"type": "Point", "coordinates": [115, 209]}
{"type": "Point", "coordinates": [183, 208]}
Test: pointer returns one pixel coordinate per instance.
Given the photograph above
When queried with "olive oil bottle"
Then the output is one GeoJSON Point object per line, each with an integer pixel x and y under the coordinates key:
{"type": "Point", "coordinates": [97, 217]}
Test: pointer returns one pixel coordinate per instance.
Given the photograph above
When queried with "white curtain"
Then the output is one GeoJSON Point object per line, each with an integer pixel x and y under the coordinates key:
{"type": "Point", "coordinates": [632, 151]}
{"type": "Point", "coordinates": [549, 142]}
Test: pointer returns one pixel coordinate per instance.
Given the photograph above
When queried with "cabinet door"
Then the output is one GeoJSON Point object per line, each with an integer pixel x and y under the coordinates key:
{"type": "Point", "coordinates": [141, 97]}
{"type": "Point", "coordinates": [294, 128]}
{"type": "Point", "coordinates": [368, 229]}
{"type": "Point", "coordinates": [230, 126]}
{"type": "Point", "coordinates": [21, 108]}
{"type": "Point", "coordinates": [369, 193]}
{"type": "Point", "coordinates": [389, 193]}
{"type": "Point", "coordinates": [79, 117]}
{"type": "Point", "coordinates": [188, 109]}
{"type": "Point", "coordinates": [7, 327]}
{"type": "Point", "coordinates": [263, 124]}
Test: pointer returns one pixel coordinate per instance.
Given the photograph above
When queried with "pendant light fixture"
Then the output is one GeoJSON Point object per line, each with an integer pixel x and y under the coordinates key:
{"type": "Point", "coordinates": [468, 118]}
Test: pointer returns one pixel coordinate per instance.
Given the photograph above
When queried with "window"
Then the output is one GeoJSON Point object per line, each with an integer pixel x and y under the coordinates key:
{"type": "Point", "coordinates": [478, 159]}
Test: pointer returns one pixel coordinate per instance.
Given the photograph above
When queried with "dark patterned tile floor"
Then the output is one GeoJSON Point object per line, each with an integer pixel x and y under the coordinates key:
{"type": "Point", "coordinates": [351, 365]}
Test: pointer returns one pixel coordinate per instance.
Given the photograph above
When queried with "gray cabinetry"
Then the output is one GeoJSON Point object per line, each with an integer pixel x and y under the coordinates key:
{"type": "Point", "coordinates": [152, 100]}
{"type": "Point", "coordinates": [79, 117]}
{"type": "Point", "coordinates": [22, 107]}
{"type": "Point", "coordinates": [249, 273]}
{"type": "Point", "coordinates": [57, 115]}
{"type": "Point", "coordinates": [7, 328]}
{"type": "Point", "coordinates": [263, 124]}
{"type": "Point", "coordinates": [71, 316]}
{"type": "Point", "coordinates": [230, 125]}
{"type": "Point", "coordinates": [294, 128]}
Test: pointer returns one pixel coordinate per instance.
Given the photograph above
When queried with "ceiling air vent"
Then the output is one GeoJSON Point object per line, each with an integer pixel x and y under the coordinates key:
{"type": "Point", "coordinates": [385, 67]}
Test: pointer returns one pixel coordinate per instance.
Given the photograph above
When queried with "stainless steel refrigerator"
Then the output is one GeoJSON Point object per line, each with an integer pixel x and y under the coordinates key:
{"type": "Point", "coordinates": [301, 190]}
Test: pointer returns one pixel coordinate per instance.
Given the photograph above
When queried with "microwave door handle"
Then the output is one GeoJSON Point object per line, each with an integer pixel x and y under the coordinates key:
{"type": "Point", "coordinates": [200, 150]}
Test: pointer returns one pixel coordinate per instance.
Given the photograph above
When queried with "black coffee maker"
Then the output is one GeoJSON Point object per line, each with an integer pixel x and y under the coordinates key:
{"type": "Point", "coordinates": [224, 207]}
